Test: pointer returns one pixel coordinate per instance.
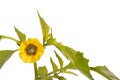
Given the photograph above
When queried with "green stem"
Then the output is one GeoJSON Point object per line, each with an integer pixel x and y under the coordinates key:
{"type": "Point", "coordinates": [58, 70]}
{"type": "Point", "coordinates": [35, 71]}
{"type": "Point", "coordinates": [7, 37]}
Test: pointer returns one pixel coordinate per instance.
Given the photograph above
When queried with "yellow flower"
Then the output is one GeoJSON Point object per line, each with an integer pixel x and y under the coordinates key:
{"type": "Point", "coordinates": [31, 50]}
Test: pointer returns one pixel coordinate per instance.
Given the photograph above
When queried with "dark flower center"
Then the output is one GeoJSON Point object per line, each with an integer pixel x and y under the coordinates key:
{"type": "Point", "coordinates": [31, 49]}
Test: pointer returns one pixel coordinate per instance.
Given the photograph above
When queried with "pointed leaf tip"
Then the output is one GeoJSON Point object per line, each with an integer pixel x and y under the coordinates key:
{"type": "Point", "coordinates": [104, 71]}
{"type": "Point", "coordinates": [21, 35]}
{"type": "Point", "coordinates": [45, 28]}
{"type": "Point", "coordinates": [55, 67]}
{"type": "Point", "coordinates": [59, 59]}
{"type": "Point", "coordinates": [5, 55]}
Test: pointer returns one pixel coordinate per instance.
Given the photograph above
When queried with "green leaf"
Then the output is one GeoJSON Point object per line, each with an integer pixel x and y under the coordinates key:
{"type": "Point", "coordinates": [76, 58]}
{"type": "Point", "coordinates": [59, 59]}
{"type": "Point", "coordinates": [5, 55]}
{"type": "Point", "coordinates": [70, 72]}
{"type": "Point", "coordinates": [104, 71]}
{"type": "Point", "coordinates": [21, 35]}
{"type": "Point", "coordinates": [45, 78]}
{"type": "Point", "coordinates": [42, 71]}
{"type": "Point", "coordinates": [45, 28]}
{"type": "Point", "coordinates": [62, 78]}
{"type": "Point", "coordinates": [55, 67]}
{"type": "Point", "coordinates": [59, 77]}
{"type": "Point", "coordinates": [0, 37]}
{"type": "Point", "coordinates": [70, 66]}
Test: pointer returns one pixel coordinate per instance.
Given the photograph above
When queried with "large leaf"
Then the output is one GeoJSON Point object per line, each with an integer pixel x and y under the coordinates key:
{"type": "Point", "coordinates": [103, 70]}
{"type": "Point", "coordinates": [75, 57]}
{"type": "Point", "coordinates": [59, 59]}
{"type": "Point", "coordinates": [45, 28]}
{"type": "Point", "coordinates": [21, 35]}
{"type": "Point", "coordinates": [55, 67]}
{"type": "Point", "coordinates": [70, 66]}
{"type": "Point", "coordinates": [5, 55]}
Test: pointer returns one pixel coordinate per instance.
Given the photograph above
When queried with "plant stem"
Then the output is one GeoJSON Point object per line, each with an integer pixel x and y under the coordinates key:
{"type": "Point", "coordinates": [35, 71]}
{"type": "Point", "coordinates": [7, 37]}
{"type": "Point", "coordinates": [57, 70]}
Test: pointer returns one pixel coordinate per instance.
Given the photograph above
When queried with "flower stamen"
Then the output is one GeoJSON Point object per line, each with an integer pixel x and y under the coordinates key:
{"type": "Point", "coordinates": [31, 49]}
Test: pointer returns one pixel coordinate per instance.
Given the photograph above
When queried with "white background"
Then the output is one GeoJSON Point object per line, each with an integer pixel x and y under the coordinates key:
{"type": "Point", "coordinates": [90, 26]}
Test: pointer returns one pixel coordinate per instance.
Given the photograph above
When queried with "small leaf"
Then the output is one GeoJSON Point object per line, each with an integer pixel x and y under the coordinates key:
{"type": "Point", "coordinates": [45, 28]}
{"type": "Point", "coordinates": [42, 71]}
{"type": "Point", "coordinates": [55, 67]}
{"type": "Point", "coordinates": [21, 35]}
{"type": "Point", "coordinates": [104, 71]}
{"type": "Point", "coordinates": [75, 57]}
{"type": "Point", "coordinates": [62, 78]}
{"type": "Point", "coordinates": [5, 55]}
{"type": "Point", "coordinates": [59, 77]}
{"type": "Point", "coordinates": [70, 72]}
{"type": "Point", "coordinates": [59, 59]}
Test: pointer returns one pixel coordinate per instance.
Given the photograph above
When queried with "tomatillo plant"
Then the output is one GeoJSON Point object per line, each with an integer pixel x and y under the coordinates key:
{"type": "Point", "coordinates": [31, 49]}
